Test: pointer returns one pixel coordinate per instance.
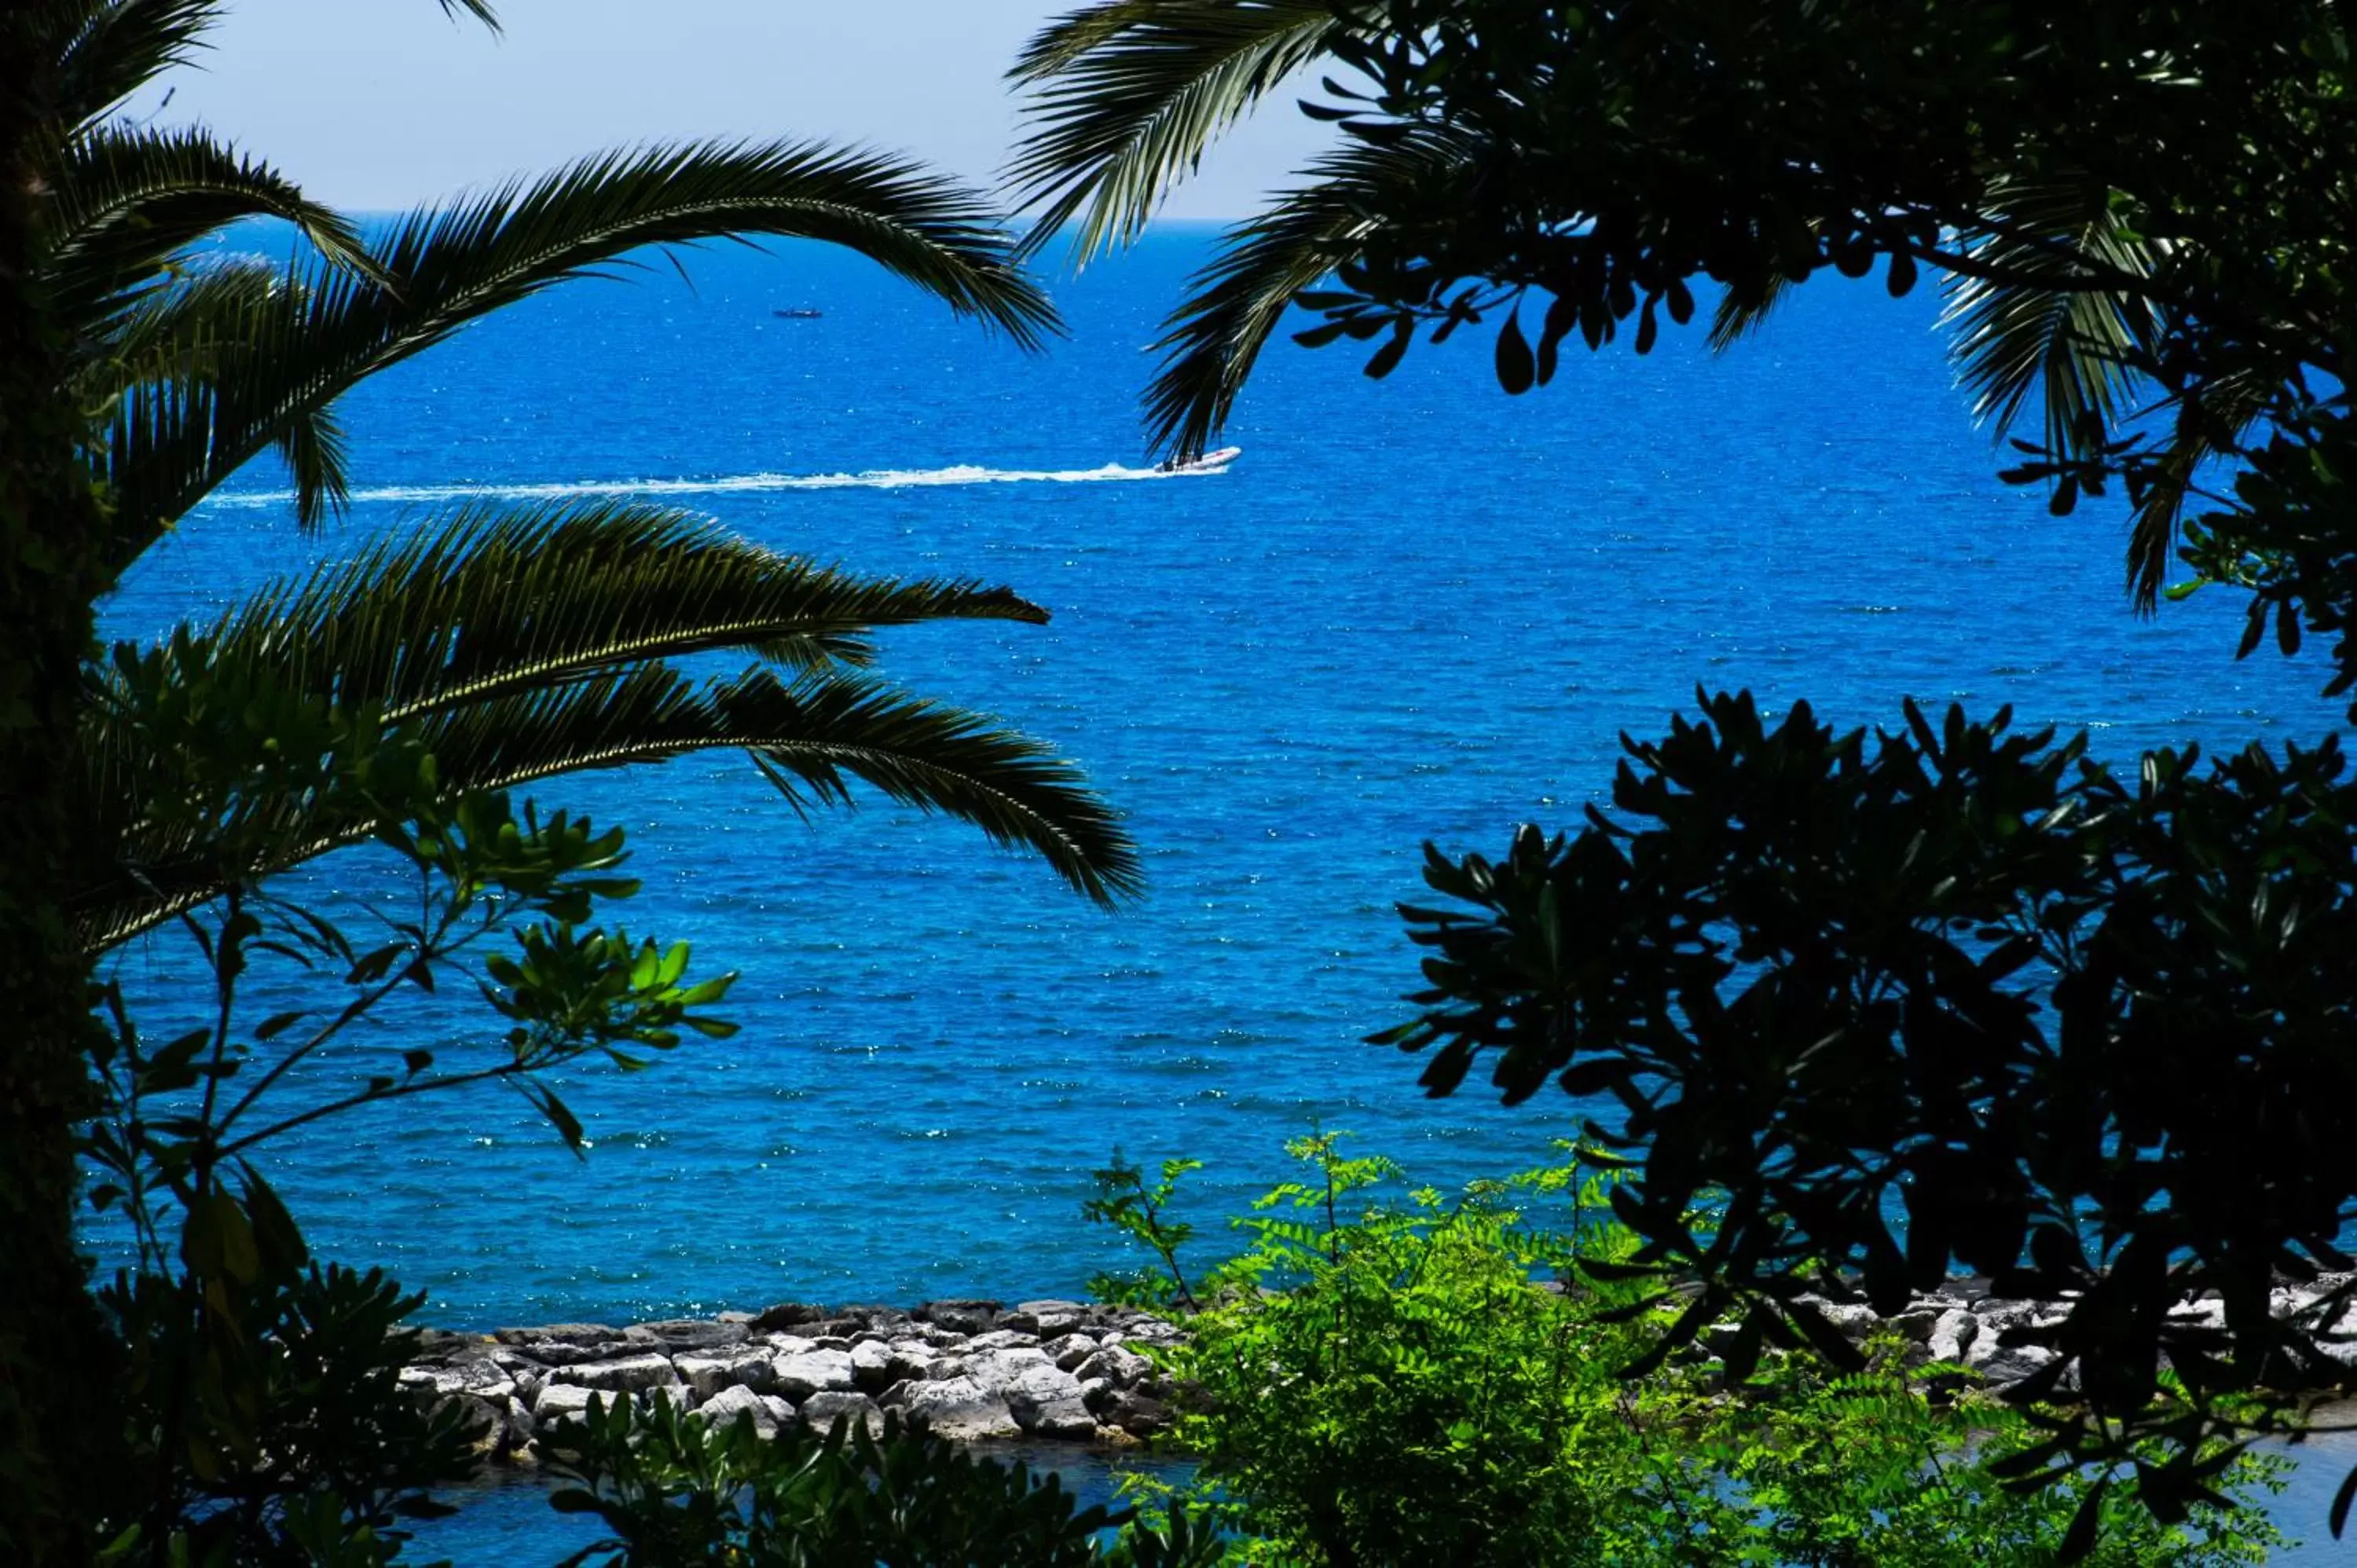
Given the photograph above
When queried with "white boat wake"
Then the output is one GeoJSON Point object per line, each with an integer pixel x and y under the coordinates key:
{"type": "Point", "coordinates": [739, 484]}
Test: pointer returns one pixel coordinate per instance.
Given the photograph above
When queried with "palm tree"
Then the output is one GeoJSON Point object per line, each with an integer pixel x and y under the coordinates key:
{"type": "Point", "coordinates": [1125, 96]}
{"type": "Point", "coordinates": [521, 644]}
{"type": "Point", "coordinates": [181, 371]}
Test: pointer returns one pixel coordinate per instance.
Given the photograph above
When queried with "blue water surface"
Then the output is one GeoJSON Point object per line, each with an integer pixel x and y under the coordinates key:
{"type": "Point", "coordinates": [1413, 609]}
{"type": "Point", "coordinates": [505, 1518]}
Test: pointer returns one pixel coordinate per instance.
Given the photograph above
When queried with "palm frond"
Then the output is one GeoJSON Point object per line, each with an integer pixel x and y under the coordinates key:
{"type": "Point", "coordinates": [1234, 304]}
{"type": "Point", "coordinates": [481, 10]}
{"type": "Point", "coordinates": [479, 254]}
{"type": "Point", "coordinates": [447, 266]}
{"type": "Point", "coordinates": [105, 51]}
{"type": "Point", "coordinates": [812, 736]}
{"type": "Point", "coordinates": [937, 758]}
{"type": "Point", "coordinates": [2043, 339]}
{"type": "Point", "coordinates": [519, 645]}
{"type": "Point", "coordinates": [172, 328]}
{"type": "Point", "coordinates": [1742, 312]}
{"type": "Point", "coordinates": [127, 202]}
{"type": "Point", "coordinates": [496, 600]}
{"type": "Point", "coordinates": [2070, 347]}
{"type": "Point", "coordinates": [1125, 97]}
{"type": "Point", "coordinates": [317, 455]}
{"type": "Point", "coordinates": [2209, 424]}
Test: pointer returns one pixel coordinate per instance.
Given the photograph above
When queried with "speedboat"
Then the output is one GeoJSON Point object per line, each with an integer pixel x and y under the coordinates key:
{"type": "Point", "coordinates": [1210, 462]}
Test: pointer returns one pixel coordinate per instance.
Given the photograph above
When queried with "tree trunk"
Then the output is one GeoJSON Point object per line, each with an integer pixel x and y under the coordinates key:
{"type": "Point", "coordinates": [60, 1427]}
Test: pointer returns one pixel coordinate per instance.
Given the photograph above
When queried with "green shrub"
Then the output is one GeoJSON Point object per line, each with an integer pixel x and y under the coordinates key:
{"type": "Point", "coordinates": [1410, 1378]}
{"type": "Point", "coordinates": [272, 1428]}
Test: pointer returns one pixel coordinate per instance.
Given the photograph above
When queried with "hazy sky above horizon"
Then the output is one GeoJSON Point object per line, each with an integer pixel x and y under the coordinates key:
{"type": "Point", "coordinates": [384, 103]}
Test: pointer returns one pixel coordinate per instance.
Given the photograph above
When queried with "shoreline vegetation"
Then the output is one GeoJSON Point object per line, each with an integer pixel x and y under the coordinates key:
{"type": "Point", "coordinates": [1383, 1376]}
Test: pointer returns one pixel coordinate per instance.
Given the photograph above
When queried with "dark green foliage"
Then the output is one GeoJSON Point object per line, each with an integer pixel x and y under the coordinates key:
{"type": "Point", "coordinates": [286, 1426]}
{"type": "Point", "coordinates": [2141, 210]}
{"type": "Point", "coordinates": [677, 1491]}
{"type": "Point", "coordinates": [1870, 1010]}
{"type": "Point", "coordinates": [1408, 1379]}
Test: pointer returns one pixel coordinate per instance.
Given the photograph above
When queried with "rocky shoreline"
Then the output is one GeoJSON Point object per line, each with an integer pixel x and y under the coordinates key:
{"type": "Point", "coordinates": [975, 1371]}
{"type": "Point", "coordinates": [986, 1371]}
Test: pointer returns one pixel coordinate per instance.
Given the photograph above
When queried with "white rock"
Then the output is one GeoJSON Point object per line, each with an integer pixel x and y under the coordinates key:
{"type": "Point", "coordinates": [1002, 1339]}
{"type": "Point", "coordinates": [962, 1410]}
{"type": "Point", "coordinates": [821, 1409]}
{"type": "Point", "coordinates": [2197, 1315]}
{"type": "Point", "coordinates": [735, 1401]}
{"type": "Point", "coordinates": [1115, 1364]}
{"type": "Point", "coordinates": [1070, 1351]}
{"type": "Point", "coordinates": [480, 1379]}
{"type": "Point", "coordinates": [1046, 1400]}
{"type": "Point", "coordinates": [877, 1365]}
{"type": "Point", "coordinates": [1153, 1331]}
{"type": "Point", "coordinates": [1953, 1335]}
{"type": "Point", "coordinates": [1050, 1318]}
{"type": "Point", "coordinates": [813, 1371]}
{"type": "Point", "coordinates": [1003, 1369]}
{"type": "Point", "coordinates": [2010, 1363]}
{"type": "Point", "coordinates": [624, 1373]}
{"type": "Point", "coordinates": [567, 1402]}
{"type": "Point", "coordinates": [708, 1375]}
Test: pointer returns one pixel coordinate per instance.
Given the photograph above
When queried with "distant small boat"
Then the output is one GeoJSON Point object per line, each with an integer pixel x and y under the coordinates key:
{"type": "Point", "coordinates": [796, 315]}
{"type": "Point", "coordinates": [1207, 462]}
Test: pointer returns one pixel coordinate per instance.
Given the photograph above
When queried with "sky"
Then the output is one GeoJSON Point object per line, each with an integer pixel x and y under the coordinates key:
{"type": "Point", "coordinates": [376, 104]}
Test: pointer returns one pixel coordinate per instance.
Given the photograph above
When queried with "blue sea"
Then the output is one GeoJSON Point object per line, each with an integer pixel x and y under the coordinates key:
{"type": "Point", "coordinates": [1413, 610]}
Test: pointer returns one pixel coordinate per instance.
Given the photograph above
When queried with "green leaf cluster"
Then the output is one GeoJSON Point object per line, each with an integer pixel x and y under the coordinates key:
{"type": "Point", "coordinates": [1951, 997]}
{"type": "Point", "coordinates": [1124, 1201]}
{"type": "Point", "coordinates": [270, 1427]}
{"type": "Point", "coordinates": [1396, 1376]}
